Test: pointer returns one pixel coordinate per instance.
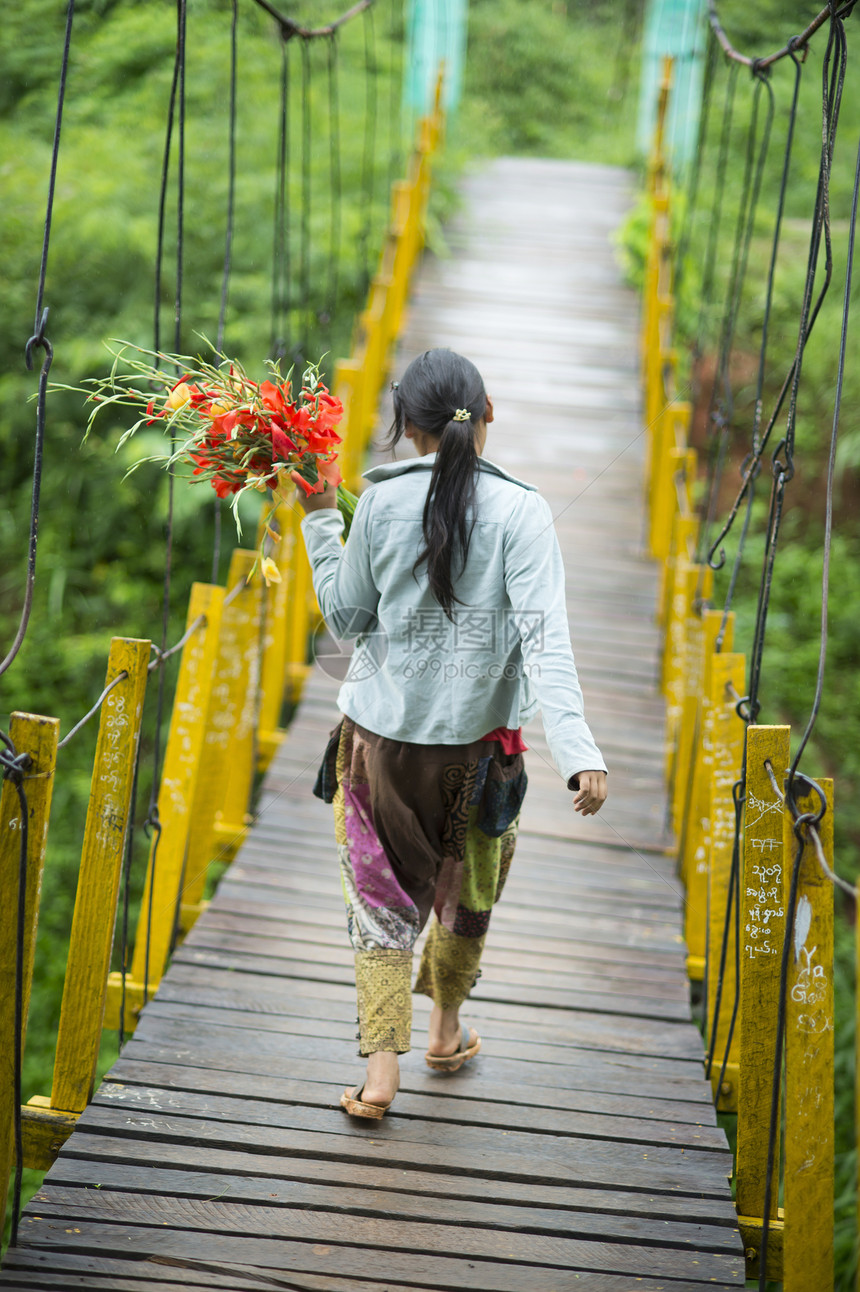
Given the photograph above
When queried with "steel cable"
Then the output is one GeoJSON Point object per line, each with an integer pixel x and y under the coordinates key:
{"type": "Point", "coordinates": [228, 253]}
{"type": "Point", "coordinates": [300, 349]}
{"type": "Point", "coordinates": [281, 239]}
{"type": "Point", "coordinates": [39, 341]}
{"type": "Point", "coordinates": [721, 408]}
{"type": "Point", "coordinates": [368, 151]}
{"type": "Point", "coordinates": [335, 192]}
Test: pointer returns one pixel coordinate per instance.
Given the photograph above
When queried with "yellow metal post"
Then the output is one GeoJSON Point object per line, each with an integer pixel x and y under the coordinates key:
{"type": "Point", "coordinates": [36, 736]}
{"type": "Point", "coordinates": [687, 688]}
{"type": "Point", "coordinates": [91, 940]}
{"type": "Point", "coordinates": [728, 679]}
{"type": "Point", "coordinates": [274, 675]}
{"type": "Point", "coordinates": [227, 753]}
{"type": "Point", "coordinates": [158, 923]}
{"type": "Point", "coordinates": [694, 813]}
{"type": "Point", "coordinates": [676, 466]}
{"type": "Point", "coordinates": [762, 926]}
{"type": "Point", "coordinates": [809, 1129]}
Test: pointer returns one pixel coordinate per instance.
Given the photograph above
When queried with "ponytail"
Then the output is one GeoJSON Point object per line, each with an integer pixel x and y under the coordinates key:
{"type": "Point", "coordinates": [442, 394]}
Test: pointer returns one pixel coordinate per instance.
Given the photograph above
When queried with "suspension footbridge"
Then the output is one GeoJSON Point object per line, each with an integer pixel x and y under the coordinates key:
{"type": "Point", "coordinates": [646, 968]}
{"type": "Point", "coordinates": [581, 1147]}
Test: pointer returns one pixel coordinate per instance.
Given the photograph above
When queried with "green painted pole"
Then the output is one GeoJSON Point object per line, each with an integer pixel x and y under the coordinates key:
{"type": "Point", "coordinates": [436, 33]}
{"type": "Point", "coordinates": [678, 28]}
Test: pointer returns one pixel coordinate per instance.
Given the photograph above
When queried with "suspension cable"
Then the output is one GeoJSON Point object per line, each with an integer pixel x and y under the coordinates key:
{"type": "Point", "coordinates": [39, 341]}
{"type": "Point", "coordinates": [281, 239]}
{"type": "Point", "coordinates": [228, 254]}
{"type": "Point", "coordinates": [300, 349]}
{"type": "Point", "coordinates": [335, 190]}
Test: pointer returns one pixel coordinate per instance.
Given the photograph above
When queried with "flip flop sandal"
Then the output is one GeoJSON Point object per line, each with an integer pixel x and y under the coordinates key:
{"type": "Point", "coordinates": [353, 1104]}
{"type": "Point", "coordinates": [451, 1062]}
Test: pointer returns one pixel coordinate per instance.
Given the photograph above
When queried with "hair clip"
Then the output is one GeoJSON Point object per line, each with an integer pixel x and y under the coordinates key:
{"type": "Point", "coordinates": [394, 385]}
{"type": "Point", "coordinates": [462, 415]}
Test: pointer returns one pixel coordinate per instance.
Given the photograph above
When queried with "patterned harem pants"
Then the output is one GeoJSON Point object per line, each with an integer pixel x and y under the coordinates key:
{"type": "Point", "coordinates": [419, 828]}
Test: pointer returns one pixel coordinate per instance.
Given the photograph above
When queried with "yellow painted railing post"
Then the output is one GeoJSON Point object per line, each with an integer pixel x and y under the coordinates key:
{"type": "Point", "coordinates": [36, 736]}
{"type": "Point", "coordinates": [94, 916]}
{"type": "Point", "coordinates": [687, 686]}
{"type": "Point", "coordinates": [158, 923]}
{"type": "Point", "coordinates": [236, 640]}
{"type": "Point", "coordinates": [685, 535]}
{"type": "Point", "coordinates": [728, 680]}
{"type": "Point", "coordinates": [809, 1052]}
{"type": "Point", "coordinates": [672, 457]}
{"type": "Point", "coordinates": [241, 642]}
{"type": "Point", "coordinates": [762, 925]}
{"type": "Point", "coordinates": [299, 627]}
{"type": "Point", "coordinates": [348, 386]}
{"type": "Point", "coordinates": [273, 681]}
{"type": "Point", "coordinates": [694, 812]}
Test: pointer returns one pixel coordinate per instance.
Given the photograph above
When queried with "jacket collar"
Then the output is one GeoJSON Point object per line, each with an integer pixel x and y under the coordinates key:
{"type": "Point", "coordinates": [388, 470]}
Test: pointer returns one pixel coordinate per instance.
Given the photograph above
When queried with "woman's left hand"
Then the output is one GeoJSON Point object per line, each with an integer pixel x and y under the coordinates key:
{"type": "Point", "coordinates": [591, 795]}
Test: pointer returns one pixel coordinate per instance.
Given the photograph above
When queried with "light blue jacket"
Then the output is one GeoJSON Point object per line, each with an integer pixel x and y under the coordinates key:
{"type": "Point", "coordinates": [415, 675]}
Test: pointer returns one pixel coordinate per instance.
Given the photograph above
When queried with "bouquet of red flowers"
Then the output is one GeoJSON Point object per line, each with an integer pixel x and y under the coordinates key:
{"type": "Point", "coordinates": [234, 432]}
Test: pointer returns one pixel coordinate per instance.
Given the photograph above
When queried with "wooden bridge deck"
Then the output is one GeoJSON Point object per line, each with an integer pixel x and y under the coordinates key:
{"type": "Point", "coordinates": [580, 1149]}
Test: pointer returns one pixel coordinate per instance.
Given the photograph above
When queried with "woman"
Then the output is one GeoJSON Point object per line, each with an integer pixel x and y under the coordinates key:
{"type": "Point", "coordinates": [452, 583]}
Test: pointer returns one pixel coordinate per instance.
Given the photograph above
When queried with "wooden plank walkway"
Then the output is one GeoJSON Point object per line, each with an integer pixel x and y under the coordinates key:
{"type": "Point", "coordinates": [580, 1149]}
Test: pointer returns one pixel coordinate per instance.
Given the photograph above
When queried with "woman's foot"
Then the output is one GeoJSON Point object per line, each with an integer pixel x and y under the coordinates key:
{"type": "Point", "coordinates": [383, 1079]}
{"type": "Point", "coordinates": [444, 1031]}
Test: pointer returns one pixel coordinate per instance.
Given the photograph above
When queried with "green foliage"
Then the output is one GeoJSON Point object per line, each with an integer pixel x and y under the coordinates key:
{"type": "Point", "coordinates": [551, 80]}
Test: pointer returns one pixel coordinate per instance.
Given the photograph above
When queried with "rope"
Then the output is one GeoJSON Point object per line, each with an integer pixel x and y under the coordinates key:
{"type": "Point", "coordinates": [14, 766]}
{"type": "Point", "coordinates": [39, 341]}
{"type": "Point", "coordinates": [788, 50]}
{"type": "Point", "coordinates": [289, 28]}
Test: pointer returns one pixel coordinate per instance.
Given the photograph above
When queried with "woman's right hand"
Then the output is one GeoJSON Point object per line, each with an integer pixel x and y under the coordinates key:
{"type": "Point", "coordinates": [315, 501]}
{"type": "Point", "coordinates": [591, 795]}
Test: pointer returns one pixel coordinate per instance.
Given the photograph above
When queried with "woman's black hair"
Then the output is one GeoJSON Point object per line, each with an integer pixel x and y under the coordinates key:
{"type": "Point", "coordinates": [442, 394]}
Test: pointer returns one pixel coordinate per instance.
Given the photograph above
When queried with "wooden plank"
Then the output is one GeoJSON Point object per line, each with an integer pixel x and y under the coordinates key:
{"type": "Point", "coordinates": [453, 1268]}
{"type": "Point", "coordinates": [620, 1034]}
{"type": "Point", "coordinates": [316, 1084]}
{"type": "Point", "coordinates": [76, 1196]}
{"type": "Point", "coordinates": [526, 1241]}
{"type": "Point", "coordinates": [406, 1145]}
{"type": "Point", "coordinates": [421, 1106]}
{"type": "Point", "coordinates": [94, 1157]}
